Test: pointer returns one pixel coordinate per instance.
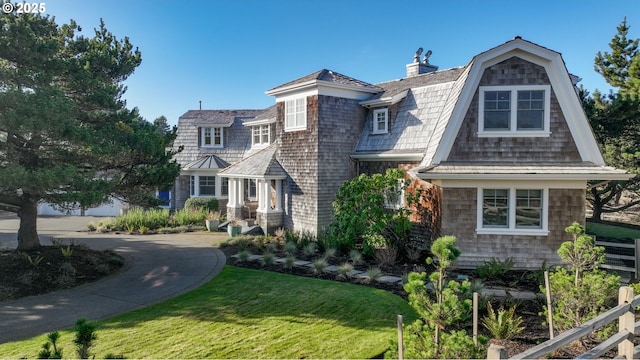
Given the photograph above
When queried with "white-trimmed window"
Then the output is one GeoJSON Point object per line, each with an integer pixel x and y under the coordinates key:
{"type": "Point", "coordinates": [512, 211]}
{"type": "Point", "coordinates": [381, 121]}
{"type": "Point", "coordinates": [261, 135]}
{"type": "Point", "coordinates": [252, 189]}
{"type": "Point", "coordinates": [394, 197]}
{"type": "Point", "coordinates": [208, 186]}
{"type": "Point", "coordinates": [211, 137]}
{"type": "Point", "coordinates": [295, 114]}
{"type": "Point", "coordinates": [522, 110]}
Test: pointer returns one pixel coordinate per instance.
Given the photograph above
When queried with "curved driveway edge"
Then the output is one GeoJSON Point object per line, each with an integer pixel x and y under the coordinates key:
{"type": "Point", "coordinates": [157, 268]}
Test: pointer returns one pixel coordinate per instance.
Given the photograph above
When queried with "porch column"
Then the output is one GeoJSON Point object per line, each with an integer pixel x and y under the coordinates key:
{"type": "Point", "coordinates": [240, 198]}
{"type": "Point", "coordinates": [232, 192]}
{"type": "Point", "coordinates": [278, 206]}
{"type": "Point", "coordinates": [267, 195]}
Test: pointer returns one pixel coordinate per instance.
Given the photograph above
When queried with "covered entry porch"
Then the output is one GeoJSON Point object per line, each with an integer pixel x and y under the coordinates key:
{"type": "Point", "coordinates": [256, 190]}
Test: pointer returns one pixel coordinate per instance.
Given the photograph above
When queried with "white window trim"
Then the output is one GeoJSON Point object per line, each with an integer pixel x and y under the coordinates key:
{"type": "Point", "coordinates": [514, 132]}
{"type": "Point", "coordinates": [212, 145]}
{"type": "Point", "coordinates": [385, 111]}
{"type": "Point", "coordinates": [295, 127]}
{"type": "Point", "coordinates": [259, 128]}
{"type": "Point", "coordinates": [512, 230]}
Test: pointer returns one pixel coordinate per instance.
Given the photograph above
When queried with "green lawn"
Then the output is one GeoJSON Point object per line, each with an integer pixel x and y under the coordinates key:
{"type": "Point", "coordinates": [611, 231]}
{"type": "Point", "coordinates": [244, 313]}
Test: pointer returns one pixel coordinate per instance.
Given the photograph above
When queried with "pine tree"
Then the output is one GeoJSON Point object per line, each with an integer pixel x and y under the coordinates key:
{"type": "Point", "coordinates": [621, 67]}
{"type": "Point", "coordinates": [66, 136]}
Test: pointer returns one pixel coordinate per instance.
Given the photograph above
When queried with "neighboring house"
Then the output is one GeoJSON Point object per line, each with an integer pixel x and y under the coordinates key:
{"type": "Point", "coordinates": [501, 148]}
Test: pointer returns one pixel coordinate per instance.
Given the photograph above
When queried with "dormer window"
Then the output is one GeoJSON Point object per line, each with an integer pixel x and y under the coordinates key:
{"type": "Point", "coordinates": [295, 114]}
{"type": "Point", "coordinates": [514, 111]}
{"type": "Point", "coordinates": [381, 121]}
{"type": "Point", "coordinates": [261, 135]}
{"type": "Point", "coordinates": [211, 137]}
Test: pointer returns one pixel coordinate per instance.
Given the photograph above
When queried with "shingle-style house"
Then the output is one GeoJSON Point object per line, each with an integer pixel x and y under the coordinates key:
{"type": "Point", "coordinates": [501, 148]}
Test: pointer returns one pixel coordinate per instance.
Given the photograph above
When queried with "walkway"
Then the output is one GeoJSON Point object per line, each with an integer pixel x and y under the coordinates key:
{"type": "Point", "coordinates": [158, 267]}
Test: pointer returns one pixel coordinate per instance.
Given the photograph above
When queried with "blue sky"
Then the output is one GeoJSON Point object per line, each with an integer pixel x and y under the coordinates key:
{"type": "Point", "coordinates": [227, 53]}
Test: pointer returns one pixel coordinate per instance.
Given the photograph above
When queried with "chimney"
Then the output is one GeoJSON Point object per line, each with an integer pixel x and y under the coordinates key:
{"type": "Point", "coordinates": [417, 67]}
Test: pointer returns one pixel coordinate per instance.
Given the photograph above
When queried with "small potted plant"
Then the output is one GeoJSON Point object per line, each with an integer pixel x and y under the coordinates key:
{"type": "Point", "coordinates": [212, 220]}
{"type": "Point", "coordinates": [234, 228]}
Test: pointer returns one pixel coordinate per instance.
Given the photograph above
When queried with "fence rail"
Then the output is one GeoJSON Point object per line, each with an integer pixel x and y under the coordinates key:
{"type": "Point", "coordinates": [622, 255]}
{"type": "Point", "coordinates": [624, 312]}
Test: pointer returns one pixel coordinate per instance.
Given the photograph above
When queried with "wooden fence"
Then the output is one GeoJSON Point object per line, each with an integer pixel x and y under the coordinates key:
{"type": "Point", "coordinates": [622, 255]}
{"type": "Point", "coordinates": [627, 328]}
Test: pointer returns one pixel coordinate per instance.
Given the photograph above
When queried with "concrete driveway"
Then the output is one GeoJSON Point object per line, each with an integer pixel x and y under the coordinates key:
{"type": "Point", "coordinates": [158, 267]}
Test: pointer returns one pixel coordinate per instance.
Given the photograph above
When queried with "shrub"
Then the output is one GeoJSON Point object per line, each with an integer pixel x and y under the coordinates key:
{"type": "Point", "coordinates": [310, 249]}
{"type": "Point", "coordinates": [430, 336]}
{"type": "Point", "coordinates": [356, 257]}
{"type": "Point", "coordinates": [244, 255]}
{"type": "Point", "coordinates": [91, 226]}
{"type": "Point", "coordinates": [494, 268]}
{"type": "Point", "coordinates": [189, 217]}
{"type": "Point", "coordinates": [503, 324]}
{"type": "Point", "coordinates": [85, 335]}
{"type": "Point", "coordinates": [330, 253]}
{"type": "Point", "coordinates": [290, 248]}
{"type": "Point", "coordinates": [345, 270]}
{"type": "Point", "coordinates": [66, 252]}
{"type": "Point", "coordinates": [374, 273]}
{"type": "Point", "coordinates": [587, 291]}
{"type": "Point", "coordinates": [386, 256]}
{"type": "Point", "coordinates": [268, 258]}
{"type": "Point", "coordinates": [201, 203]}
{"type": "Point", "coordinates": [289, 262]}
{"type": "Point", "coordinates": [143, 229]}
{"type": "Point", "coordinates": [319, 266]}
{"type": "Point", "coordinates": [50, 348]}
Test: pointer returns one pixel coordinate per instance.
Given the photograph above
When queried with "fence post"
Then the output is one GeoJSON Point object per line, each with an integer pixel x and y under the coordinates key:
{"type": "Point", "coordinates": [626, 322]}
{"type": "Point", "coordinates": [475, 318]}
{"type": "Point", "coordinates": [496, 352]}
{"type": "Point", "coordinates": [636, 255]}
{"type": "Point", "coordinates": [400, 340]}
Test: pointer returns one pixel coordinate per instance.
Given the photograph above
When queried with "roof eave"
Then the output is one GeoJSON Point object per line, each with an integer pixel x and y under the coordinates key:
{"type": "Point", "coordinates": [458, 176]}
{"type": "Point", "coordinates": [388, 156]}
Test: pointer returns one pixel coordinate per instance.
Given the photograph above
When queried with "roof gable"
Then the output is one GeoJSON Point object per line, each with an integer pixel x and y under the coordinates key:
{"type": "Point", "coordinates": [262, 164]}
{"type": "Point", "coordinates": [561, 83]}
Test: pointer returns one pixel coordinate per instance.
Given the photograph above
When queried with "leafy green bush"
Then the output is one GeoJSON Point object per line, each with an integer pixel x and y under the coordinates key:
{"type": "Point", "coordinates": [201, 203]}
{"type": "Point", "coordinates": [494, 268]}
{"type": "Point", "coordinates": [85, 335]}
{"type": "Point", "coordinates": [50, 349]}
{"type": "Point", "coordinates": [503, 324]}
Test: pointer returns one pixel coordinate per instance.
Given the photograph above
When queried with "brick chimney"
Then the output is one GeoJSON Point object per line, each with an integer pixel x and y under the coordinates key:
{"type": "Point", "coordinates": [417, 67]}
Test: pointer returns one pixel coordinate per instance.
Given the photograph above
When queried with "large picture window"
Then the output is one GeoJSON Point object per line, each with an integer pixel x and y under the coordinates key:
{"type": "Point", "coordinates": [512, 211]}
{"type": "Point", "coordinates": [208, 186]}
{"type": "Point", "coordinates": [514, 111]}
{"type": "Point", "coordinates": [295, 114]}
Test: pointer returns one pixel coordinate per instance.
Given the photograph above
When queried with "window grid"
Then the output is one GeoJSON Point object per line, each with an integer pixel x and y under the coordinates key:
{"type": "Point", "coordinates": [212, 137]}
{"type": "Point", "coordinates": [530, 110]}
{"type": "Point", "coordinates": [529, 209]}
{"type": "Point", "coordinates": [296, 114]}
{"type": "Point", "coordinates": [207, 185]}
{"type": "Point", "coordinates": [518, 110]}
{"type": "Point", "coordinates": [495, 208]}
{"type": "Point", "coordinates": [497, 110]}
{"type": "Point", "coordinates": [380, 121]}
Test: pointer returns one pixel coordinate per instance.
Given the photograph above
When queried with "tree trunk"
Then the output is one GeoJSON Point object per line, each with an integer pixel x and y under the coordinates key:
{"type": "Point", "coordinates": [27, 233]}
{"type": "Point", "coordinates": [596, 215]}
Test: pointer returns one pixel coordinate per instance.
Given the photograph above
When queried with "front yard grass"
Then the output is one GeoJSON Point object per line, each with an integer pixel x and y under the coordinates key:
{"type": "Point", "coordinates": [244, 313]}
{"type": "Point", "coordinates": [612, 231]}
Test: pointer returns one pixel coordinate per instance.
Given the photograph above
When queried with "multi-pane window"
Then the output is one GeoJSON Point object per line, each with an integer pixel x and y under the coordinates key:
{"type": "Point", "coordinates": [497, 110]}
{"type": "Point", "coordinates": [224, 187]}
{"type": "Point", "coordinates": [260, 135]}
{"type": "Point", "coordinates": [252, 189]}
{"type": "Point", "coordinates": [207, 185]}
{"type": "Point", "coordinates": [295, 115]}
{"type": "Point", "coordinates": [211, 136]}
{"type": "Point", "coordinates": [380, 121]}
{"type": "Point", "coordinates": [530, 110]}
{"type": "Point", "coordinates": [495, 208]}
{"type": "Point", "coordinates": [512, 209]}
{"type": "Point", "coordinates": [517, 110]}
{"type": "Point", "coordinates": [529, 209]}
